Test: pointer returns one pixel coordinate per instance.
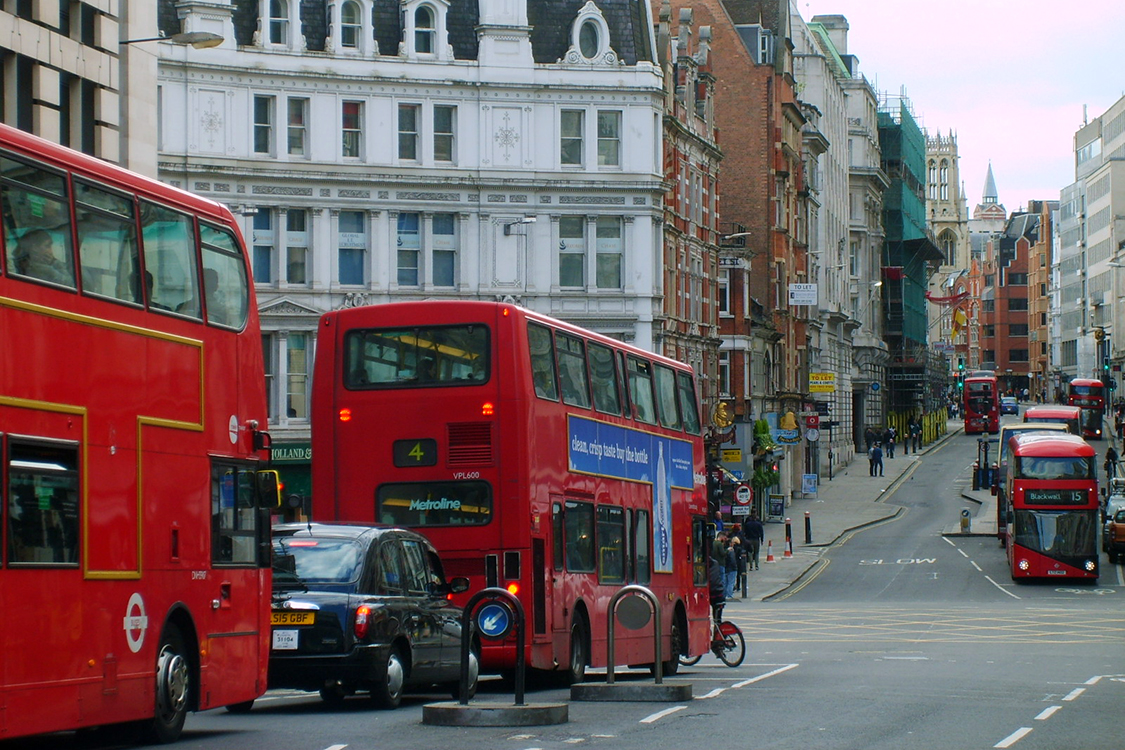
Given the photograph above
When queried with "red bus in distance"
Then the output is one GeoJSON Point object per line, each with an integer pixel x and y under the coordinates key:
{"type": "Point", "coordinates": [132, 404]}
{"type": "Point", "coordinates": [537, 456]}
{"type": "Point", "coordinates": [982, 403]}
{"type": "Point", "coordinates": [1088, 394]}
{"type": "Point", "coordinates": [1071, 416]}
{"type": "Point", "coordinates": [1052, 507]}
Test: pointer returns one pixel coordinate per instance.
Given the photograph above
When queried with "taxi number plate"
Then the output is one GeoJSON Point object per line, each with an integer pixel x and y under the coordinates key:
{"type": "Point", "coordinates": [284, 640]}
{"type": "Point", "coordinates": [292, 618]}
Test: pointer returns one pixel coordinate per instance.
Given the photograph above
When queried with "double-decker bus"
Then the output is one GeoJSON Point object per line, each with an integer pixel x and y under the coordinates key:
{"type": "Point", "coordinates": [135, 548]}
{"type": "Point", "coordinates": [982, 402]}
{"type": "Point", "coordinates": [537, 456]}
{"type": "Point", "coordinates": [1052, 507]}
{"type": "Point", "coordinates": [1088, 394]}
{"type": "Point", "coordinates": [1071, 416]}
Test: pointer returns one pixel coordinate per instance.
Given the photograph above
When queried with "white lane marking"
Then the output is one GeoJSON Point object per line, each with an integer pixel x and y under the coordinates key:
{"type": "Point", "coordinates": [947, 541]}
{"type": "Point", "coordinates": [1074, 694]}
{"type": "Point", "coordinates": [994, 583]}
{"type": "Point", "coordinates": [1093, 680]}
{"type": "Point", "coordinates": [713, 693]}
{"type": "Point", "coordinates": [335, 747]}
{"type": "Point", "coordinates": [975, 566]}
{"type": "Point", "coordinates": [767, 675]}
{"type": "Point", "coordinates": [1047, 713]}
{"type": "Point", "coordinates": [962, 553]}
{"type": "Point", "coordinates": [661, 714]}
{"type": "Point", "coordinates": [1014, 737]}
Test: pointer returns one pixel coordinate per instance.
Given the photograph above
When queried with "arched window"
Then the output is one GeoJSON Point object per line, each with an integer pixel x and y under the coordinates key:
{"type": "Point", "coordinates": [279, 22]}
{"type": "Point", "coordinates": [588, 40]}
{"type": "Point", "coordinates": [351, 24]}
{"type": "Point", "coordinates": [424, 30]}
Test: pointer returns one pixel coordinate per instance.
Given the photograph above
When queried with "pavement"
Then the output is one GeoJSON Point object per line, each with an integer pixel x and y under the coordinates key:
{"type": "Point", "coordinates": [849, 501]}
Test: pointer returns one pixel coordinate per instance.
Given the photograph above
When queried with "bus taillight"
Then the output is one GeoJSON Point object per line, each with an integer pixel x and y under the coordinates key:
{"type": "Point", "coordinates": [513, 588]}
{"type": "Point", "coordinates": [362, 621]}
{"type": "Point", "coordinates": [486, 409]}
{"type": "Point", "coordinates": [345, 415]}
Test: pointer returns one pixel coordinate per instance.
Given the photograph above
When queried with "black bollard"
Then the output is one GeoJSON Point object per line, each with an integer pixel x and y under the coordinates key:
{"type": "Point", "coordinates": [808, 528]}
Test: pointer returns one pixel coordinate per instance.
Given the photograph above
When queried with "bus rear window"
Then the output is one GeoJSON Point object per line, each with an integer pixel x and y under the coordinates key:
{"type": "Point", "coordinates": [434, 504]}
{"type": "Point", "coordinates": [1063, 467]}
{"type": "Point", "coordinates": [420, 357]}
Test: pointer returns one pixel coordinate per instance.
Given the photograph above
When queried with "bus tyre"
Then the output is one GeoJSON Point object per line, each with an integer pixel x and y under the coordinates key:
{"type": "Point", "coordinates": [579, 652]}
{"type": "Point", "coordinates": [173, 688]}
{"type": "Point", "coordinates": [672, 665]}
{"type": "Point", "coordinates": [387, 693]}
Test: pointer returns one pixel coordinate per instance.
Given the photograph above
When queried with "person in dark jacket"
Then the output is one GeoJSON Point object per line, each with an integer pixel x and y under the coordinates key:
{"type": "Point", "coordinates": [754, 534]}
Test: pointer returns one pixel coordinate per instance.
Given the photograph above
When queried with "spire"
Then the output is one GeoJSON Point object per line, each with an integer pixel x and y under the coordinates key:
{"type": "Point", "coordinates": [990, 194]}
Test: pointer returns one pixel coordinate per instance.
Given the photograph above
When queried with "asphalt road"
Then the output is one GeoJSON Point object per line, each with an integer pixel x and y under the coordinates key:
{"type": "Point", "coordinates": [899, 638]}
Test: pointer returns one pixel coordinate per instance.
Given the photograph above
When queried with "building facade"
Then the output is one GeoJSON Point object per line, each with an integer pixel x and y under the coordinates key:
{"type": "Point", "coordinates": [381, 150]}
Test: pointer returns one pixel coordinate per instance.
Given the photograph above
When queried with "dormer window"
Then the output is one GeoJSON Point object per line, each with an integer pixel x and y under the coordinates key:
{"type": "Point", "coordinates": [279, 22]}
{"type": "Point", "coordinates": [351, 24]}
{"type": "Point", "coordinates": [424, 30]}
{"type": "Point", "coordinates": [589, 38]}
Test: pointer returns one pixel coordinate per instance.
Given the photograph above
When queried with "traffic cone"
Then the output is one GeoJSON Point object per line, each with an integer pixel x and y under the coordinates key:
{"type": "Point", "coordinates": [788, 549]}
{"type": "Point", "coordinates": [769, 552]}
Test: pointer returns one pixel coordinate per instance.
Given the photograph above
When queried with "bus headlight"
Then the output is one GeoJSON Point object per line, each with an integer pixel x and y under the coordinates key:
{"type": "Point", "coordinates": [1091, 566]}
{"type": "Point", "coordinates": [1023, 565]}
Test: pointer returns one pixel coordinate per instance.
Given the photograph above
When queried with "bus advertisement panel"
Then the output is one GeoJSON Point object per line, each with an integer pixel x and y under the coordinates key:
{"type": "Point", "coordinates": [982, 403]}
{"type": "Point", "coordinates": [537, 456]}
{"type": "Point", "coordinates": [132, 404]}
{"type": "Point", "coordinates": [1052, 507]}
{"type": "Point", "coordinates": [1088, 394]}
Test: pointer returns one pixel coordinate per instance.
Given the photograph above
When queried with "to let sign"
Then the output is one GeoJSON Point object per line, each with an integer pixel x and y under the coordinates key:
{"type": "Point", "coordinates": [822, 382]}
{"type": "Point", "coordinates": [802, 294]}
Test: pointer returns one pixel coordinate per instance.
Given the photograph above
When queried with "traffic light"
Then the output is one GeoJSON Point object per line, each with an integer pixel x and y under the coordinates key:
{"type": "Point", "coordinates": [714, 489]}
{"type": "Point", "coordinates": [960, 383]}
{"type": "Point", "coordinates": [1105, 365]}
{"type": "Point", "coordinates": [960, 364]}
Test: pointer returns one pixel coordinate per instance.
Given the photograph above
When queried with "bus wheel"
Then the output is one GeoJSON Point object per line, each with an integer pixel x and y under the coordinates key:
{"type": "Point", "coordinates": [173, 687]}
{"type": "Point", "coordinates": [672, 665]}
{"type": "Point", "coordinates": [579, 652]}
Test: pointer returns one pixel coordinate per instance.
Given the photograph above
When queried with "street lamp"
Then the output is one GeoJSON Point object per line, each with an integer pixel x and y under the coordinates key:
{"type": "Point", "coordinates": [197, 39]}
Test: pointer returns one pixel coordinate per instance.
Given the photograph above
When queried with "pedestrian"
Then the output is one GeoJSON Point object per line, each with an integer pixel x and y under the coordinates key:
{"type": "Point", "coordinates": [909, 434]}
{"type": "Point", "coordinates": [754, 534]}
{"type": "Point", "coordinates": [1119, 425]}
{"type": "Point", "coordinates": [869, 437]}
{"type": "Point", "coordinates": [916, 434]}
{"type": "Point", "coordinates": [871, 459]}
{"type": "Point", "coordinates": [890, 436]}
{"type": "Point", "coordinates": [876, 460]}
{"type": "Point", "coordinates": [1110, 463]}
{"type": "Point", "coordinates": [730, 567]}
{"type": "Point", "coordinates": [718, 520]}
{"type": "Point", "coordinates": [719, 547]}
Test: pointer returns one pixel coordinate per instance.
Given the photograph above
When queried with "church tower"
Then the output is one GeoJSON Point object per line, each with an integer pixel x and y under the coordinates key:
{"type": "Point", "coordinates": [945, 202]}
{"type": "Point", "coordinates": [990, 215]}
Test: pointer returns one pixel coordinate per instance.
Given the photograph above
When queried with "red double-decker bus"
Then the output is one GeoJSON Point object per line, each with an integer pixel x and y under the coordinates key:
{"type": "Point", "coordinates": [537, 456]}
{"type": "Point", "coordinates": [1052, 507]}
{"type": "Point", "coordinates": [982, 403]}
{"type": "Point", "coordinates": [135, 551]}
{"type": "Point", "coordinates": [1070, 416]}
{"type": "Point", "coordinates": [1088, 394]}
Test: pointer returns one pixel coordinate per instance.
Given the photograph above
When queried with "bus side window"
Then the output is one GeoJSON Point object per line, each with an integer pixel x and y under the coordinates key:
{"type": "Point", "coordinates": [666, 397]}
{"type": "Point", "coordinates": [542, 361]}
{"type": "Point", "coordinates": [168, 238]}
{"type": "Point", "coordinates": [603, 377]}
{"type": "Point", "coordinates": [42, 503]}
{"type": "Point", "coordinates": [572, 371]}
{"type": "Point", "coordinates": [640, 390]}
{"type": "Point", "coordinates": [226, 288]}
{"type": "Point", "coordinates": [107, 243]}
{"type": "Point", "coordinates": [688, 403]}
{"type": "Point", "coordinates": [36, 214]}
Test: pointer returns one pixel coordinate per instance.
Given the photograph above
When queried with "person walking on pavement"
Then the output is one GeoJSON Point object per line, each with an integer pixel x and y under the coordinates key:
{"type": "Point", "coordinates": [869, 437]}
{"type": "Point", "coordinates": [890, 436]}
{"type": "Point", "coordinates": [871, 459]}
{"type": "Point", "coordinates": [916, 435]}
{"type": "Point", "coordinates": [754, 534]}
{"type": "Point", "coordinates": [730, 567]}
{"type": "Point", "coordinates": [876, 460]}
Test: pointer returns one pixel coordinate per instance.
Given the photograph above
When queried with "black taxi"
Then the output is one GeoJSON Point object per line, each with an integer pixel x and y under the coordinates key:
{"type": "Point", "coordinates": [363, 609]}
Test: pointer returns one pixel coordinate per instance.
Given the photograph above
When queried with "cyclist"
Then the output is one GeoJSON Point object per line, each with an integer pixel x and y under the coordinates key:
{"type": "Point", "coordinates": [717, 587]}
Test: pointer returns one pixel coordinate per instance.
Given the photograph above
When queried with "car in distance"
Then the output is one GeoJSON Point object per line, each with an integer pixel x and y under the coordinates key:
{"type": "Point", "coordinates": [363, 609]}
{"type": "Point", "coordinates": [1009, 405]}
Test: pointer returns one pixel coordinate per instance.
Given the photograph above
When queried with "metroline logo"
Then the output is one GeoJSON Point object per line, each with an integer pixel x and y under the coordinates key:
{"type": "Point", "coordinates": [442, 504]}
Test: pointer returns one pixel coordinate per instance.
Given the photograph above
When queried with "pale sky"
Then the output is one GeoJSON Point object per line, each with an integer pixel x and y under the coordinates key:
{"type": "Point", "coordinates": [1008, 77]}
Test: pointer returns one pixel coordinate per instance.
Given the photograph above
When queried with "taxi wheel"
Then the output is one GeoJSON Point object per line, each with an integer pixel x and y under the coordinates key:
{"type": "Point", "coordinates": [474, 678]}
{"type": "Point", "coordinates": [388, 692]}
{"type": "Point", "coordinates": [333, 693]}
{"type": "Point", "coordinates": [173, 688]}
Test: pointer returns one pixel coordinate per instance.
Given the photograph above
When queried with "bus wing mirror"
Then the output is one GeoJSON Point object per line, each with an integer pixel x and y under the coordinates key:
{"type": "Point", "coordinates": [269, 489]}
{"type": "Point", "coordinates": [262, 440]}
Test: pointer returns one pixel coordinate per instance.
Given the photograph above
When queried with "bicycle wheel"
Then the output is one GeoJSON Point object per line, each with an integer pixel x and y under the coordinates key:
{"type": "Point", "coordinates": [690, 661]}
{"type": "Point", "coordinates": [733, 650]}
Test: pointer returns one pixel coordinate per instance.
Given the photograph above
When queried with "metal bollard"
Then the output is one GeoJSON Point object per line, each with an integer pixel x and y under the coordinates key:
{"type": "Point", "coordinates": [808, 528]}
{"type": "Point", "coordinates": [976, 475]}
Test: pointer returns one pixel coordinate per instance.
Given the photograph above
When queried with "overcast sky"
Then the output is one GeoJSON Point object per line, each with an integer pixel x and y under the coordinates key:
{"type": "Point", "coordinates": [1009, 77]}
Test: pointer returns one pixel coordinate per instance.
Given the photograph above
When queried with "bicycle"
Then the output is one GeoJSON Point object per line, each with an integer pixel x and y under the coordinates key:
{"type": "Point", "coordinates": [727, 642]}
